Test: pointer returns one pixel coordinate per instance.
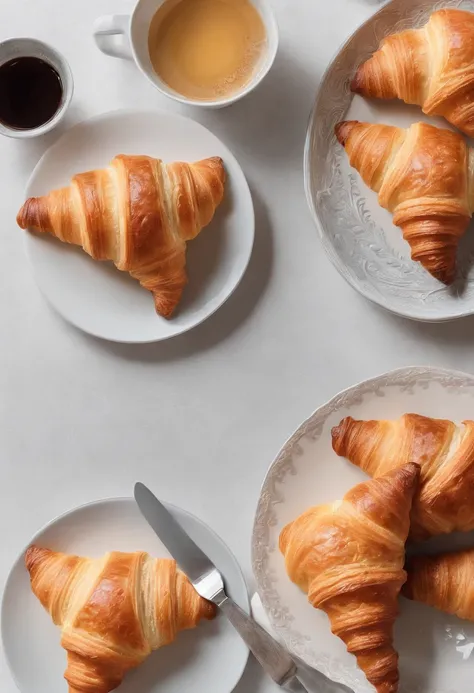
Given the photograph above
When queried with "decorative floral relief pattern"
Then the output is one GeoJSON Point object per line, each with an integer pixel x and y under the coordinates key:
{"type": "Point", "coordinates": [355, 242]}
{"type": "Point", "coordinates": [406, 380]}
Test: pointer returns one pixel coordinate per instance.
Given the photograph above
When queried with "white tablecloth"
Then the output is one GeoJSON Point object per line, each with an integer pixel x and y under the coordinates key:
{"type": "Point", "coordinates": [198, 418]}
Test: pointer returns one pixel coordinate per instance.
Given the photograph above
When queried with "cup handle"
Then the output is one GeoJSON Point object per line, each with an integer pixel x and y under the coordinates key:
{"type": "Point", "coordinates": [112, 35]}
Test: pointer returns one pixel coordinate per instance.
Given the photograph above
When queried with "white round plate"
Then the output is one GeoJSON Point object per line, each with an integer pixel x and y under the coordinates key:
{"type": "Point", "coordinates": [212, 656]}
{"type": "Point", "coordinates": [95, 296]}
{"type": "Point", "coordinates": [435, 648]}
{"type": "Point", "coordinates": [357, 234]}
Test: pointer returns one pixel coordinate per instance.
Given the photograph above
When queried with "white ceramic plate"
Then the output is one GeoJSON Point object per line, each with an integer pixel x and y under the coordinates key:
{"type": "Point", "coordinates": [357, 234]}
{"type": "Point", "coordinates": [435, 648]}
{"type": "Point", "coordinates": [212, 656]}
{"type": "Point", "coordinates": [95, 296]}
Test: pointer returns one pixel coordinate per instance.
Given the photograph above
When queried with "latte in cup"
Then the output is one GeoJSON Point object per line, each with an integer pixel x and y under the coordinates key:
{"type": "Point", "coordinates": [207, 49]}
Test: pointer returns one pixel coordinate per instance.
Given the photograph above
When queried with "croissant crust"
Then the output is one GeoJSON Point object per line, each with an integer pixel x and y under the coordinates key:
{"type": "Point", "coordinates": [423, 176]}
{"type": "Point", "coordinates": [139, 213]}
{"type": "Point", "coordinates": [432, 67]}
{"type": "Point", "coordinates": [444, 502]}
{"type": "Point", "coordinates": [348, 558]}
{"type": "Point", "coordinates": [112, 611]}
{"type": "Point", "coordinates": [445, 581]}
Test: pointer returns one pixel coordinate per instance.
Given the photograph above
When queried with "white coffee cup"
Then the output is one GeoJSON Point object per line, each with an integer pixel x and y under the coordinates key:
{"type": "Point", "coordinates": [124, 36]}
{"type": "Point", "coordinates": [32, 48]}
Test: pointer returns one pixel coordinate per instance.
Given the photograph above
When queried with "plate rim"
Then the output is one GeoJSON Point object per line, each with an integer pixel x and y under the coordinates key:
{"type": "Point", "coordinates": [131, 112]}
{"type": "Point", "coordinates": [105, 501]}
{"type": "Point", "coordinates": [261, 512]}
{"type": "Point", "coordinates": [333, 256]}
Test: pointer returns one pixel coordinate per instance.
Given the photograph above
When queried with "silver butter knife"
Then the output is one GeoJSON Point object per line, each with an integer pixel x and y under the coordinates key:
{"type": "Point", "coordinates": [208, 582]}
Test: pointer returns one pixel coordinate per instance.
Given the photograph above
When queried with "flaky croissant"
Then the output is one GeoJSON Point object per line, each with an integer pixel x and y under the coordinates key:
{"type": "Point", "coordinates": [348, 557]}
{"type": "Point", "coordinates": [139, 213]}
{"type": "Point", "coordinates": [432, 67]}
{"type": "Point", "coordinates": [444, 501]}
{"type": "Point", "coordinates": [113, 611]}
{"type": "Point", "coordinates": [424, 176]}
{"type": "Point", "coordinates": [445, 581]}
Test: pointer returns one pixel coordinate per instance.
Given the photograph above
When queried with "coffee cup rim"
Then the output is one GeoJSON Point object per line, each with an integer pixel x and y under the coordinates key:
{"type": "Point", "coordinates": [272, 50]}
{"type": "Point", "coordinates": [56, 59]}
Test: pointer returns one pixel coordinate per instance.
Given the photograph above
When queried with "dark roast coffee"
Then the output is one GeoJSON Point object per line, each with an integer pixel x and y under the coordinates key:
{"type": "Point", "coordinates": [31, 92]}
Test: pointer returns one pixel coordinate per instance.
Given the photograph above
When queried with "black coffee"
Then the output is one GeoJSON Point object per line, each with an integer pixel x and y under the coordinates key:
{"type": "Point", "coordinates": [31, 92]}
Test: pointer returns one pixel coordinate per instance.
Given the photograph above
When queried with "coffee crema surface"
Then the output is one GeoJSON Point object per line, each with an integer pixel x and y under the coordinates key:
{"type": "Point", "coordinates": [206, 49]}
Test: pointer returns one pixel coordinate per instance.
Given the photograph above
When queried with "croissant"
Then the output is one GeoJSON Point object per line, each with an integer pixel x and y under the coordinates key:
{"type": "Point", "coordinates": [348, 557]}
{"type": "Point", "coordinates": [444, 501]}
{"type": "Point", "coordinates": [112, 611]}
{"type": "Point", "coordinates": [445, 581]}
{"type": "Point", "coordinates": [424, 177]}
{"type": "Point", "coordinates": [432, 67]}
{"type": "Point", "coordinates": [139, 213]}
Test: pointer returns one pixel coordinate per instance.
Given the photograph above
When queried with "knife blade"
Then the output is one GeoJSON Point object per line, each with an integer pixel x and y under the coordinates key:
{"type": "Point", "coordinates": [208, 582]}
{"type": "Point", "coordinates": [187, 554]}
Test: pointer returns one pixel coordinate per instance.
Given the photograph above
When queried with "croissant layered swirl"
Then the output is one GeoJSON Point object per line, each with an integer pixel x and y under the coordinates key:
{"type": "Point", "coordinates": [348, 558]}
{"type": "Point", "coordinates": [424, 176]}
{"type": "Point", "coordinates": [139, 213]}
{"type": "Point", "coordinates": [432, 67]}
{"type": "Point", "coordinates": [113, 611]}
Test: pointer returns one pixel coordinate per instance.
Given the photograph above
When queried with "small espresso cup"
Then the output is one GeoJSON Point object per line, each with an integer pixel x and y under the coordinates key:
{"type": "Point", "coordinates": [126, 36]}
{"type": "Point", "coordinates": [15, 48]}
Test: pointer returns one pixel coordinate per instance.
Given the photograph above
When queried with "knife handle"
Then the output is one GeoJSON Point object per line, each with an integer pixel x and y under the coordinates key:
{"type": "Point", "coordinates": [273, 658]}
{"type": "Point", "coordinates": [294, 685]}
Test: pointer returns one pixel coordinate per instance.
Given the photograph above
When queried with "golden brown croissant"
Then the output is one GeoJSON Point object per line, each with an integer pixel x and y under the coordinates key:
{"type": "Point", "coordinates": [348, 557]}
{"type": "Point", "coordinates": [424, 177]}
{"type": "Point", "coordinates": [139, 213]}
{"type": "Point", "coordinates": [445, 581]}
{"type": "Point", "coordinates": [444, 501]}
{"type": "Point", "coordinates": [432, 67]}
{"type": "Point", "coordinates": [113, 611]}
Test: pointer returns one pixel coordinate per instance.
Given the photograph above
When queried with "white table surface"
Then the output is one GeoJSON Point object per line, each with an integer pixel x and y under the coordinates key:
{"type": "Point", "coordinates": [198, 418]}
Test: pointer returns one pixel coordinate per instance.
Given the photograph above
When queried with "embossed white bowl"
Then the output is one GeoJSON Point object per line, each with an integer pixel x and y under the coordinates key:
{"type": "Point", "coordinates": [357, 234]}
{"type": "Point", "coordinates": [435, 648]}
